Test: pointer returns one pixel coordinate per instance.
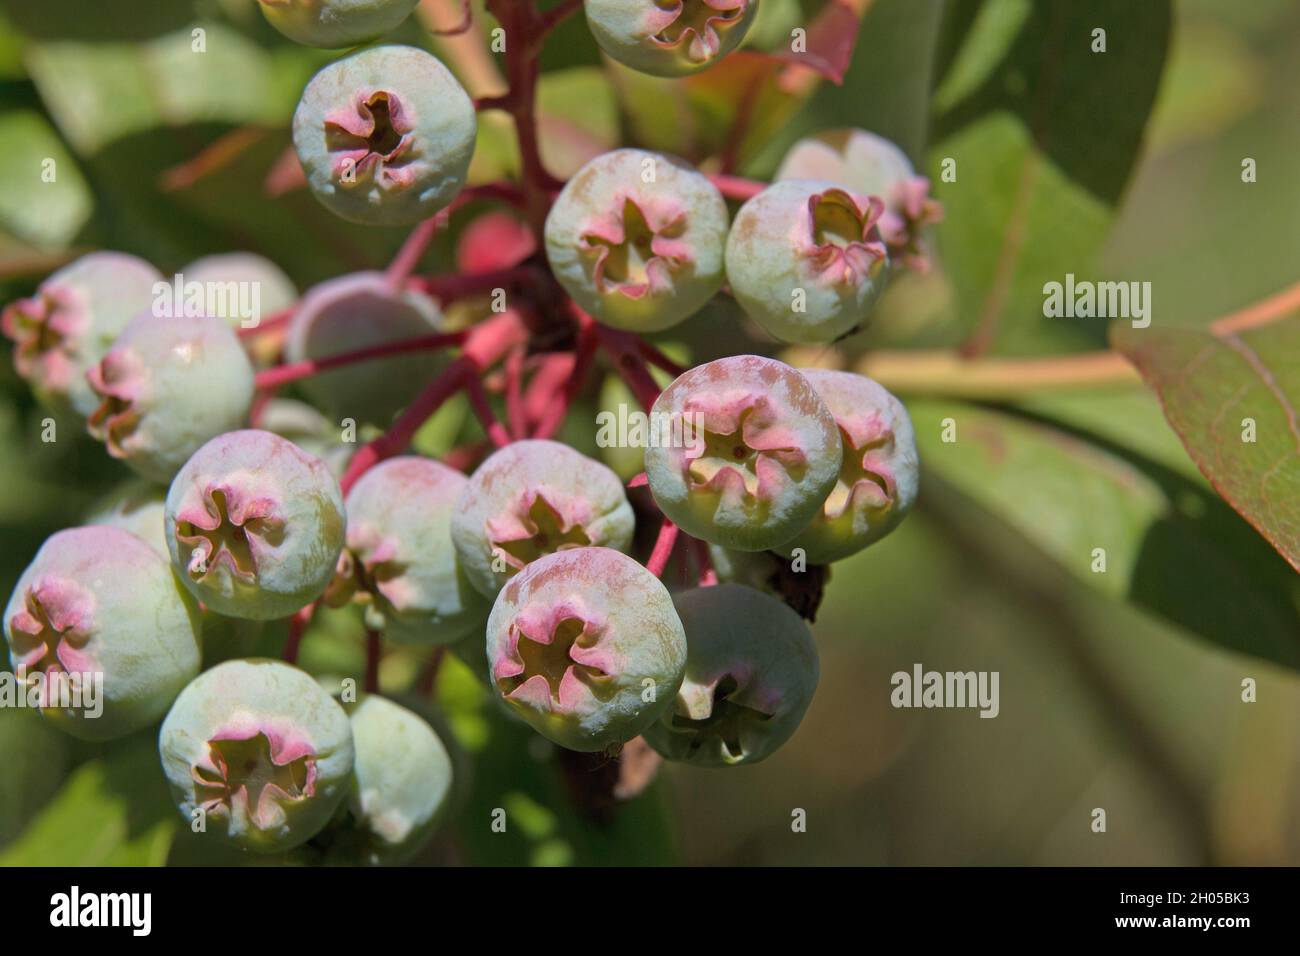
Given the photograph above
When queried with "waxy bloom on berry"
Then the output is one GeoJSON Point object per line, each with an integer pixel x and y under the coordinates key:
{"type": "Point", "coordinates": [399, 560]}
{"type": "Point", "coordinates": [586, 647]}
{"type": "Point", "coordinates": [100, 604]}
{"type": "Point", "coordinates": [806, 260]}
{"type": "Point", "coordinates": [385, 135]}
{"type": "Point", "coordinates": [870, 165]}
{"type": "Point", "coordinates": [768, 456]}
{"type": "Point", "coordinates": [255, 525]}
{"type": "Point", "coordinates": [336, 23]}
{"type": "Point", "coordinates": [259, 753]}
{"type": "Point", "coordinates": [878, 479]}
{"type": "Point", "coordinates": [669, 37]}
{"type": "Point", "coordinates": [533, 498]}
{"type": "Point", "coordinates": [71, 321]}
{"type": "Point", "coordinates": [637, 239]}
{"type": "Point", "coordinates": [751, 671]}
{"type": "Point", "coordinates": [167, 386]}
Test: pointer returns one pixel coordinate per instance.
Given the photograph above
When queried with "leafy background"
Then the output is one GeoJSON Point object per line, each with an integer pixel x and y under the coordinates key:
{"type": "Point", "coordinates": [1120, 690]}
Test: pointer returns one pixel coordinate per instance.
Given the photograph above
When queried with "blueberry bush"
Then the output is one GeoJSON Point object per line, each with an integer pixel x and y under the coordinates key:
{"type": "Point", "coordinates": [481, 431]}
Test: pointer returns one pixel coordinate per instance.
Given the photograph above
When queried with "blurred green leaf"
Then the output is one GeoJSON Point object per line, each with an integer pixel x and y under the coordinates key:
{"type": "Point", "coordinates": [578, 118]}
{"type": "Point", "coordinates": [46, 201]}
{"type": "Point", "coordinates": [35, 757]}
{"type": "Point", "coordinates": [113, 810]}
{"type": "Point", "coordinates": [1044, 141]}
{"type": "Point", "coordinates": [1233, 399]}
{"type": "Point", "coordinates": [100, 20]}
{"type": "Point", "coordinates": [99, 92]}
{"type": "Point", "coordinates": [1170, 545]}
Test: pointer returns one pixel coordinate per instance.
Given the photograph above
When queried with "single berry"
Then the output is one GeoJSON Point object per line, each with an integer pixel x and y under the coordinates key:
{"type": "Point", "coordinates": [669, 37]}
{"type": "Point", "coordinates": [533, 498]}
{"type": "Point", "coordinates": [356, 312]}
{"type": "Point", "coordinates": [385, 135]}
{"type": "Point", "coordinates": [68, 325]}
{"type": "Point", "coordinates": [255, 525]}
{"type": "Point", "coordinates": [138, 507]}
{"type": "Point", "coordinates": [246, 289]}
{"type": "Point", "coordinates": [401, 785]}
{"type": "Point", "coordinates": [167, 386]}
{"type": "Point", "coordinates": [751, 670]}
{"type": "Point", "coordinates": [586, 647]}
{"type": "Point", "coordinates": [758, 452]}
{"type": "Point", "coordinates": [878, 478]}
{"type": "Point", "coordinates": [99, 605]}
{"type": "Point", "coordinates": [336, 23]}
{"type": "Point", "coordinates": [637, 239]}
{"type": "Point", "coordinates": [870, 165]}
{"type": "Point", "coordinates": [806, 260]}
{"type": "Point", "coordinates": [258, 753]}
{"type": "Point", "coordinates": [399, 560]}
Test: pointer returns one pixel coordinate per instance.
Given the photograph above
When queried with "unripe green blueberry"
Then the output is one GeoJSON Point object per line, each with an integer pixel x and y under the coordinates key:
{"type": "Point", "coordinates": [401, 784]}
{"type": "Point", "coordinates": [167, 386]}
{"type": "Point", "coordinates": [246, 279]}
{"type": "Point", "coordinates": [586, 647]}
{"type": "Point", "coordinates": [355, 312]}
{"type": "Point", "coordinates": [71, 321]}
{"type": "Point", "coordinates": [139, 507]}
{"type": "Point", "coordinates": [806, 261]}
{"type": "Point", "coordinates": [751, 670]}
{"type": "Point", "coordinates": [336, 23]}
{"type": "Point", "coordinates": [385, 135]}
{"type": "Point", "coordinates": [669, 37]}
{"type": "Point", "coordinates": [878, 477]}
{"type": "Point", "coordinates": [759, 452]}
{"type": "Point", "coordinates": [258, 752]}
{"type": "Point", "coordinates": [98, 600]}
{"type": "Point", "coordinates": [870, 165]}
{"type": "Point", "coordinates": [254, 525]}
{"type": "Point", "coordinates": [533, 498]}
{"type": "Point", "coordinates": [637, 239]}
{"type": "Point", "coordinates": [399, 558]}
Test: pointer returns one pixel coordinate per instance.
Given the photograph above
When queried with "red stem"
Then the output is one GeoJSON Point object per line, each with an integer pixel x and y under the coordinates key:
{"type": "Point", "coordinates": [484, 346]}
{"type": "Point", "coordinates": [659, 360]}
{"type": "Point", "coordinates": [734, 187]}
{"type": "Point", "coordinates": [663, 548]}
{"type": "Point", "coordinates": [624, 350]}
{"type": "Point", "coordinates": [478, 401]}
{"type": "Point", "coordinates": [297, 627]}
{"type": "Point", "coordinates": [708, 576]}
{"type": "Point", "coordinates": [514, 393]}
{"type": "Point", "coordinates": [283, 374]}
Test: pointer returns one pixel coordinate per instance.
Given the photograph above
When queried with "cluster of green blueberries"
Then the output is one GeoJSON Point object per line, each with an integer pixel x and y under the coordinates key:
{"type": "Point", "coordinates": [521, 567]}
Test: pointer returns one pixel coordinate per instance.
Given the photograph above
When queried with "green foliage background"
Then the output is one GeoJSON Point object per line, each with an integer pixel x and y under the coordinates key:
{"type": "Point", "coordinates": [1119, 690]}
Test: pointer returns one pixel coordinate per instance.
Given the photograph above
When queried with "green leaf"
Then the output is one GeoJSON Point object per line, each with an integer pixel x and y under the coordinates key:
{"type": "Point", "coordinates": [35, 757]}
{"type": "Point", "coordinates": [1233, 400]}
{"type": "Point", "coordinates": [99, 92]}
{"type": "Point", "coordinates": [1045, 134]}
{"type": "Point", "coordinates": [1170, 546]}
{"type": "Point", "coordinates": [113, 810]}
{"type": "Point", "coordinates": [47, 200]}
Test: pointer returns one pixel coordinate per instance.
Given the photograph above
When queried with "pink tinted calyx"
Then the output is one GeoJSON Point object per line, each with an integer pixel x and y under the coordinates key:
{"type": "Point", "coordinates": [725, 719]}
{"type": "Point", "coordinates": [371, 138]}
{"type": "Point", "coordinates": [845, 244]}
{"type": "Point", "coordinates": [42, 329]}
{"type": "Point", "coordinates": [49, 634]}
{"type": "Point", "coordinates": [913, 210]}
{"type": "Point", "coordinates": [866, 473]}
{"type": "Point", "coordinates": [535, 527]}
{"type": "Point", "coordinates": [228, 528]}
{"type": "Point", "coordinates": [637, 246]}
{"type": "Point", "coordinates": [747, 453]}
{"type": "Point", "coordinates": [553, 659]}
{"type": "Point", "coordinates": [694, 26]}
{"type": "Point", "coordinates": [369, 572]}
{"type": "Point", "coordinates": [257, 770]}
{"type": "Point", "coordinates": [118, 381]}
